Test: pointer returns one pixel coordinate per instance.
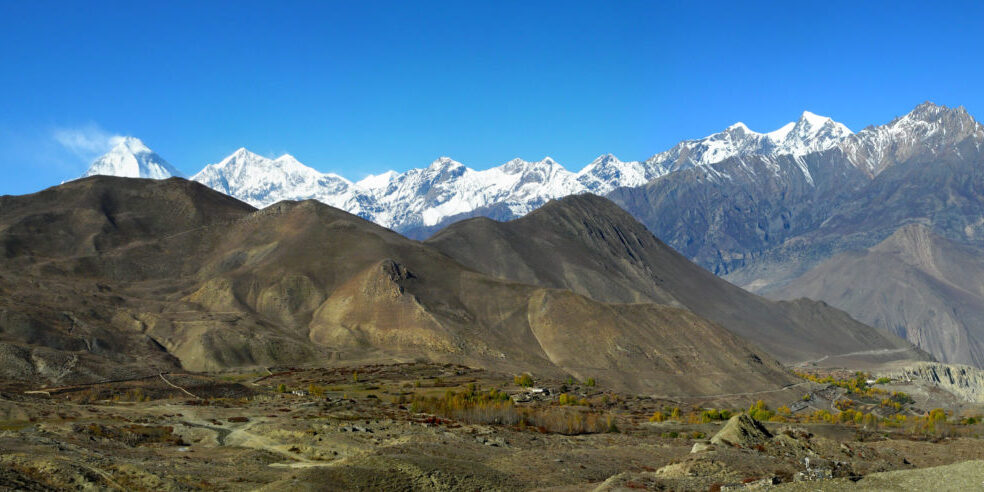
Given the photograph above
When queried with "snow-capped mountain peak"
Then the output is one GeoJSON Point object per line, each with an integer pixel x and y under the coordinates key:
{"type": "Point", "coordinates": [814, 119]}
{"type": "Point", "coordinates": [377, 181]}
{"type": "Point", "coordinates": [424, 197]}
{"type": "Point", "coordinates": [130, 158]}
{"type": "Point", "coordinates": [132, 144]}
{"type": "Point", "coordinates": [811, 133]}
{"type": "Point", "coordinates": [738, 127]}
{"type": "Point", "coordinates": [444, 163]}
{"type": "Point", "coordinates": [927, 128]}
{"type": "Point", "coordinates": [607, 172]}
{"type": "Point", "coordinates": [262, 181]}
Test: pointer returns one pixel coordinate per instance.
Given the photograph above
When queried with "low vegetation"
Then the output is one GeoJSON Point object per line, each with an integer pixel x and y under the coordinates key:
{"type": "Point", "coordinates": [477, 406]}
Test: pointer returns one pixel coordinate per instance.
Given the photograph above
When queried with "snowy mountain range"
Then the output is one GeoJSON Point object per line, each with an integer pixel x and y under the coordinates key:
{"type": "Point", "coordinates": [427, 197]}
{"type": "Point", "coordinates": [763, 218]}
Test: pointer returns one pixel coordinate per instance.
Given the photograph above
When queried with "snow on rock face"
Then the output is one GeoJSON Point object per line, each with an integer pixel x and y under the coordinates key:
{"type": "Point", "coordinates": [425, 197]}
{"type": "Point", "coordinates": [261, 181]}
{"type": "Point", "coordinates": [811, 133]}
{"type": "Point", "coordinates": [446, 188]}
{"type": "Point", "coordinates": [130, 158]}
{"type": "Point", "coordinates": [606, 173]}
{"type": "Point", "coordinates": [927, 128]}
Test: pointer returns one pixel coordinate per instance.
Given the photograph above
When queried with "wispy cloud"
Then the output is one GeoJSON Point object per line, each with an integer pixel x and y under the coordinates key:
{"type": "Point", "coordinates": [87, 142]}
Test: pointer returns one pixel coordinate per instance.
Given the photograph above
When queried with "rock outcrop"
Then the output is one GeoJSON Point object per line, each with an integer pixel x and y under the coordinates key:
{"type": "Point", "coordinates": [742, 431]}
{"type": "Point", "coordinates": [963, 381]}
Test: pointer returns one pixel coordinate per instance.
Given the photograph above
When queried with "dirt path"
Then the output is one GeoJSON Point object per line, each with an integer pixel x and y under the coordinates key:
{"type": "Point", "coordinates": [863, 352]}
{"type": "Point", "coordinates": [726, 395]}
{"type": "Point", "coordinates": [177, 387]}
{"type": "Point", "coordinates": [244, 438]}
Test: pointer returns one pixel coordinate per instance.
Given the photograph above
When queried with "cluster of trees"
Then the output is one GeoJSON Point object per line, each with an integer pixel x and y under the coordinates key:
{"type": "Point", "coordinates": [931, 422]}
{"type": "Point", "coordinates": [475, 405]}
{"type": "Point", "coordinates": [856, 385]}
{"type": "Point", "coordinates": [525, 380]}
{"type": "Point", "coordinates": [566, 399]}
{"type": "Point", "coordinates": [696, 415]}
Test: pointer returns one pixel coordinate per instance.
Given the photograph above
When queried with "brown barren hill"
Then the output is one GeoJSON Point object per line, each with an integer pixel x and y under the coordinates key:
{"type": "Point", "coordinates": [589, 245]}
{"type": "Point", "coordinates": [138, 276]}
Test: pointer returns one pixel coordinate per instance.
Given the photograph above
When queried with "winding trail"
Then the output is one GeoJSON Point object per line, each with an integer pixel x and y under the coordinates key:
{"type": "Point", "coordinates": [863, 352]}
{"type": "Point", "coordinates": [722, 395]}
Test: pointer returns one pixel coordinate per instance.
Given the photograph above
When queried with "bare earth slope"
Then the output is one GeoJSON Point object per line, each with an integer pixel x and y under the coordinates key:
{"type": "Point", "coordinates": [144, 276]}
{"type": "Point", "coordinates": [589, 245]}
{"type": "Point", "coordinates": [924, 287]}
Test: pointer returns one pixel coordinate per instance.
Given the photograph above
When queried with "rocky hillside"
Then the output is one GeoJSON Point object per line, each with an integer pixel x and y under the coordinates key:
{"type": "Point", "coordinates": [109, 276]}
{"type": "Point", "coordinates": [589, 245]}
{"type": "Point", "coordinates": [915, 283]}
{"type": "Point", "coordinates": [763, 220]}
{"type": "Point", "coordinates": [963, 381]}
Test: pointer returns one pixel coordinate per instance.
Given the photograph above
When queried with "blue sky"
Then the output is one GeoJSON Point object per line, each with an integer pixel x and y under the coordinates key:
{"type": "Point", "coordinates": [362, 87]}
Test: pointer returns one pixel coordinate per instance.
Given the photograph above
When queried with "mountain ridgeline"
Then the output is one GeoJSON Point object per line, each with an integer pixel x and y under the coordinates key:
{"type": "Point", "coordinates": [114, 277]}
{"type": "Point", "coordinates": [589, 245]}
{"type": "Point", "coordinates": [420, 201]}
{"type": "Point", "coordinates": [758, 209]}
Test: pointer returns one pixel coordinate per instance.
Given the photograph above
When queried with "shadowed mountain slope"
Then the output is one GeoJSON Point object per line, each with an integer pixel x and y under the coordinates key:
{"type": "Point", "coordinates": [589, 245]}
{"type": "Point", "coordinates": [927, 289]}
{"type": "Point", "coordinates": [104, 277]}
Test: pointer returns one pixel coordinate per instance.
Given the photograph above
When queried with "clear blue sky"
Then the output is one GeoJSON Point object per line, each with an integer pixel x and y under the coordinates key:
{"type": "Point", "coordinates": [362, 87]}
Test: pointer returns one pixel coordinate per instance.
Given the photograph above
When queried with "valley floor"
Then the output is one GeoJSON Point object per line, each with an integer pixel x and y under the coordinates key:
{"type": "Point", "coordinates": [429, 427]}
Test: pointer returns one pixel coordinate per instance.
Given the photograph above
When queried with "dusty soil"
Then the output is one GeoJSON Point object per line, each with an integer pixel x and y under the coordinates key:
{"type": "Point", "coordinates": [353, 429]}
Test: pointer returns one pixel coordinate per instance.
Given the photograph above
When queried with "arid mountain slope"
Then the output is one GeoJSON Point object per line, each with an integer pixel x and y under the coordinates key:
{"type": "Point", "coordinates": [589, 245]}
{"type": "Point", "coordinates": [141, 276]}
{"type": "Point", "coordinates": [926, 288]}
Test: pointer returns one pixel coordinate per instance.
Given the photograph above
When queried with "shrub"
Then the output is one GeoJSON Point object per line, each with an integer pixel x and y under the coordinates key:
{"type": "Point", "coordinates": [612, 428]}
{"type": "Point", "coordinates": [759, 411]}
{"type": "Point", "coordinates": [495, 407]}
{"type": "Point", "coordinates": [524, 380]}
{"type": "Point", "coordinates": [316, 390]}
